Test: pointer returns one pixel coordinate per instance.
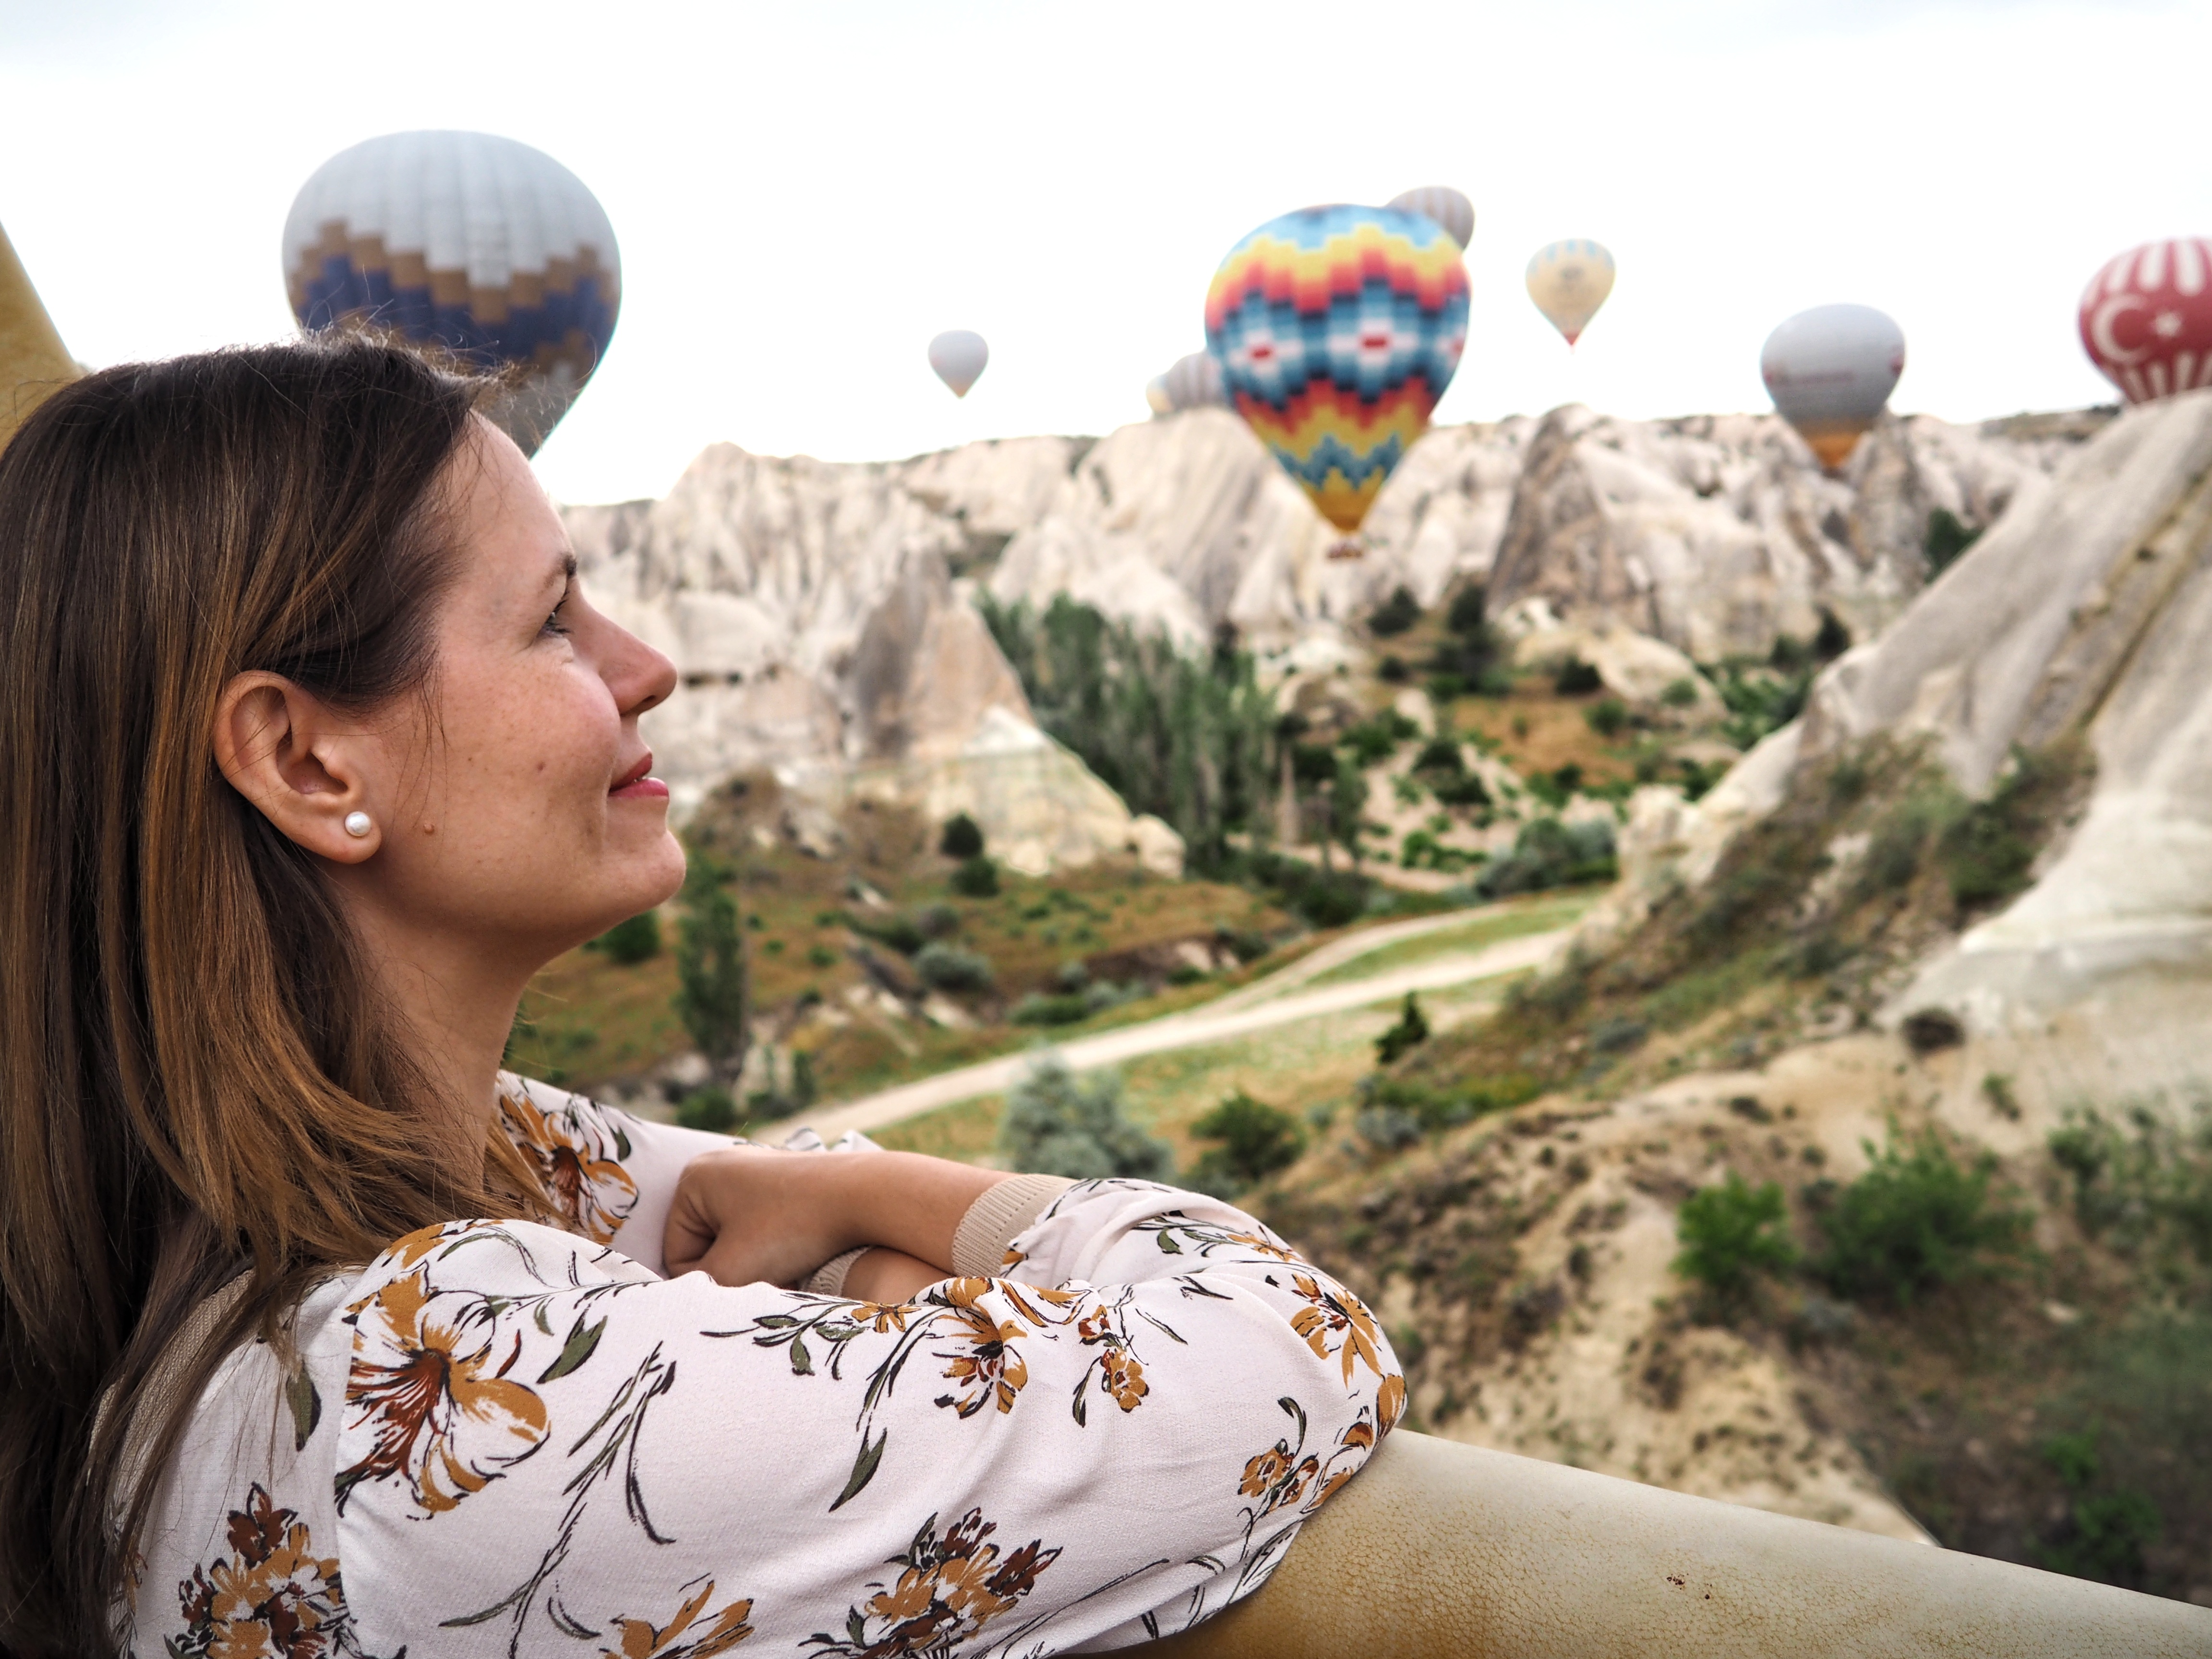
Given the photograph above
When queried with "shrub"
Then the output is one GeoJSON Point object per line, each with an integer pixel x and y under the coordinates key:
{"type": "Point", "coordinates": [963, 837]}
{"type": "Point", "coordinates": [1186, 973]}
{"type": "Point", "coordinates": [1574, 678]}
{"type": "Point", "coordinates": [1467, 614]}
{"type": "Point", "coordinates": [1916, 1220]}
{"type": "Point", "coordinates": [1729, 1234]}
{"type": "Point", "coordinates": [1378, 739]}
{"type": "Point", "coordinates": [1606, 716]}
{"type": "Point", "coordinates": [1832, 640]}
{"type": "Point", "coordinates": [1393, 670]}
{"type": "Point", "coordinates": [637, 940]}
{"type": "Point", "coordinates": [2144, 1186]}
{"type": "Point", "coordinates": [1040, 1009]}
{"type": "Point", "coordinates": [897, 931]}
{"type": "Point", "coordinates": [1387, 1129]}
{"type": "Point", "coordinates": [1245, 944]}
{"type": "Point", "coordinates": [1256, 1139]}
{"type": "Point", "coordinates": [1548, 853]}
{"type": "Point", "coordinates": [948, 968]}
{"type": "Point", "coordinates": [821, 955]}
{"type": "Point", "coordinates": [1396, 614]}
{"type": "Point", "coordinates": [710, 1109]}
{"type": "Point", "coordinates": [1680, 694]}
{"type": "Point", "coordinates": [1440, 754]}
{"type": "Point", "coordinates": [976, 877]}
{"type": "Point", "coordinates": [1442, 688]}
{"type": "Point", "coordinates": [1408, 1033]}
{"type": "Point", "coordinates": [1057, 1123]}
{"type": "Point", "coordinates": [1465, 790]}
{"type": "Point", "coordinates": [937, 922]}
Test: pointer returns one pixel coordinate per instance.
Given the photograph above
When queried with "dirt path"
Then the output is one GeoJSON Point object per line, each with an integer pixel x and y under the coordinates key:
{"type": "Point", "coordinates": [1212, 1022]}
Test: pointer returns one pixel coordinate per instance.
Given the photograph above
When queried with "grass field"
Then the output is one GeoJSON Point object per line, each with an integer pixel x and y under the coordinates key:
{"type": "Point", "coordinates": [1535, 916]}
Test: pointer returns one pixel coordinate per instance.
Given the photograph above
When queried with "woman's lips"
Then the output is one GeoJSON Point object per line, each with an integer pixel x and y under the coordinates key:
{"type": "Point", "coordinates": [639, 784]}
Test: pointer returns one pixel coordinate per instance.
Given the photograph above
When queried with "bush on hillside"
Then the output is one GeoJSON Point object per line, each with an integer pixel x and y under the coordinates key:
{"type": "Point", "coordinates": [631, 942]}
{"type": "Point", "coordinates": [1606, 716]}
{"type": "Point", "coordinates": [1396, 614]}
{"type": "Point", "coordinates": [976, 877]}
{"type": "Point", "coordinates": [1409, 1033]}
{"type": "Point", "coordinates": [1255, 1139]}
{"type": "Point", "coordinates": [1548, 853]}
{"type": "Point", "coordinates": [1574, 678]}
{"type": "Point", "coordinates": [948, 968]}
{"type": "Point", "coordinates": [1057, 1123]}
{"type": "Point", "coordinates": [1946, 538]}
{"type": "Point", "coordinates": [1731, 1233]}
{"type": "Point", "coordinates": [963, 837]}
{"type": "Point", "coordinates": [1915, 1221]}
{"type": "Point", "coordinates": [709, 1108]}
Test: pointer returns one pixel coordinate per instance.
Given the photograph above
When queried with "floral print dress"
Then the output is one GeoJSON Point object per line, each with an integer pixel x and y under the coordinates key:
{"type": "Point", "coordinates": [506, 1438]}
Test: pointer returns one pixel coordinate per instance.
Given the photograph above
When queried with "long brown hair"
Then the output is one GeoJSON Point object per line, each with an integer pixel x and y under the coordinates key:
{"type": "Point", "coordinates": [196, 1076]}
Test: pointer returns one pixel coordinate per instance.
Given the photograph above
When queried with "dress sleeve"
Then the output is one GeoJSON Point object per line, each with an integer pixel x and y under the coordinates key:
{"type": "Point", "coordinates": [540, 1439]}
{"type": "Point", "coordinates": [609, 1177]}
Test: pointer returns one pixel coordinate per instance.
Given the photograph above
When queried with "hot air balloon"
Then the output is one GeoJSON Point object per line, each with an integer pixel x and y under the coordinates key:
{"type": "Point", "coordinates": [958, 357]}
{"type": "Point", "coordinates": [1195, 382]}
{"type": "Point", "coordinates": [1441, 202]}
{"type": "Point", "coordinates": [467, 243]}
{"type": "Point", "coordinates": [1569, 281]}
{"type": "Point", "coordinates": [1337, 329]}
{"type": "Point", "coordinates": [1830, 370]}
{"type": "Point", "coordinates": [1157, 396]}
{"type": "Point", "coordinates": [2147, 318]}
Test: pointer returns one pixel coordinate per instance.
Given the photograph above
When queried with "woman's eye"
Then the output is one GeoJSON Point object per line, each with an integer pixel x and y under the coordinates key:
{"type": "Point", "coordinates": [553, 618]}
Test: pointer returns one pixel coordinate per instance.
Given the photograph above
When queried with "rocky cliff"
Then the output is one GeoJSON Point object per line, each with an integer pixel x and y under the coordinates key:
{"type": "Point", "coordinates": [816, 610]}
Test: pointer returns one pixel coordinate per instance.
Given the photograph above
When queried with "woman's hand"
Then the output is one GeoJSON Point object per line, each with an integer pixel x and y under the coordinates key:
{"type": "Point", "coordinates": [747, 1214]}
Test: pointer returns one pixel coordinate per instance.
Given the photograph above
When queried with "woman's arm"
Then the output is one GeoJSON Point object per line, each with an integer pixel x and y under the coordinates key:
{"type": "Point", "coordinates": [993, 1465]}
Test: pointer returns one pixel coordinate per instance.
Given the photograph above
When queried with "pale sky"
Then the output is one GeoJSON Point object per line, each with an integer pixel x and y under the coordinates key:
{"type": "Point", "coordinates": [804, 194]}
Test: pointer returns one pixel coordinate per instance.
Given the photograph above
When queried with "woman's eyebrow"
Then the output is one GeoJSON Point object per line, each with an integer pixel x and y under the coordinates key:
{"type": "Point", "coordinates": [565, 572]}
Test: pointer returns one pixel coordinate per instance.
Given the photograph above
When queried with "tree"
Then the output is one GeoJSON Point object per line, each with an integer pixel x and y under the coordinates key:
{"type": "Point", "coordinates": [1731, 1232]}
{"type": "Point", "coordinates": [1347, 802]}
{"type": "Point", "coordinates": [630, 942]}
{"type": "Point", "coordinates": [1057, 1123]}
{"type": "Point", "coordinates": [710, 972]}
{"type": "Point", "coordinates": [962, 838]}
{"type": "Point", "coordinates": [1409, 1033]}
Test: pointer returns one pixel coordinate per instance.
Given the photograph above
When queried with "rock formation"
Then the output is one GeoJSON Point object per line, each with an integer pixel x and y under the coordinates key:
{"type": "Point", "coordinates": [815, 610]}
{"type": "Point", "coordinates": [2081, 614]}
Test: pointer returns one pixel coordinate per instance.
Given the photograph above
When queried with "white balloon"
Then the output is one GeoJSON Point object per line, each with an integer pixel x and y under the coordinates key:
{"type": "Point", "coordinates": [1445, 206]}
{"type": "Point", "coordinates": [958, 355]}
{"type": "Point", "coordinates": [1830, 371]}
{"type": "Point", "coordinates": [1157, 396]}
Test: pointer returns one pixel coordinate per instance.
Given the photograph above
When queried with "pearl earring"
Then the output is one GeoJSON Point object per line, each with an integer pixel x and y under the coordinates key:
{"type": "Point", "coordinates": [357, 824]}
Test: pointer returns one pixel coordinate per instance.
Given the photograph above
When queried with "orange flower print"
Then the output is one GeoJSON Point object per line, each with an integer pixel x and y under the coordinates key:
{"type": "Point", "coordinates": [1122, 1376]}
{"type": "Point", "coordinates": [1264, 1470]}
{"type": "Point", "coordinates": [272, 1598]}
{"type": "Point", "coordinates": [951, 1588]}
{"type": "Point", "coordinates": [443, 1416]}
{"type": "Point", "coordinates": [577, 1166]}
{"type": "Point", "coordinates": [989, 1368]}
{"type": "Point", "coordinates": [1389, 1402]}
{"type": "Point", "coordinates": [679, 1638]}
{"type": "Point", "coordinates": [1336, 1313]}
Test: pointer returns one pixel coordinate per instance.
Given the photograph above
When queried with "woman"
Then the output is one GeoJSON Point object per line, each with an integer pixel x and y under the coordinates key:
{"type": "Point", "coordinates": [323, 1336]}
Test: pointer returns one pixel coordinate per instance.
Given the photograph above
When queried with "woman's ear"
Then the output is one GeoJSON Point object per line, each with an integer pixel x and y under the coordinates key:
{"type": "Point", "coordinates": [279, 747]}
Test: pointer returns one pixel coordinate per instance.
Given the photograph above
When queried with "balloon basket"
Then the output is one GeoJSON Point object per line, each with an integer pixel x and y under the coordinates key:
{"type": "Point", "coordinates": [1352, 547]}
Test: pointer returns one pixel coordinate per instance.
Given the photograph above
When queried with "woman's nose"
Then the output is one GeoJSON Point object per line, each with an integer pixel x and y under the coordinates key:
{"type": "Point", "coordinates": [639, 677]}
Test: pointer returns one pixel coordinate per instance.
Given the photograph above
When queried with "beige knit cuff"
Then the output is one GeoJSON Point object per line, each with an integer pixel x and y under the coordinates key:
{"type": "Point", "coordinates": [828, 1279]}
{"type": "Point", "coordinates": [993, 1221]}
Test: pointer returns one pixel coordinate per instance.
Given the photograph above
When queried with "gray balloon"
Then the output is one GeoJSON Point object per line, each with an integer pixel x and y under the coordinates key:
{"type": "Point", "coordinates": [1830, 370]}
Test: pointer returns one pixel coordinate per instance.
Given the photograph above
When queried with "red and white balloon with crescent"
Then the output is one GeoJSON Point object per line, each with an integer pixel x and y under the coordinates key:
{"type": "Point", "coordinates": [2147, 318]}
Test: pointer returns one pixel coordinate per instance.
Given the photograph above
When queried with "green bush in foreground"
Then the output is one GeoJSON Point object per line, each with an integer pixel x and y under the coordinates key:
{"type": "Point", "coordinates": [1917, 1220]}
{"type": "Point", "coordinates": [1256, 1141]}
{"type": "Point", "coordinates": [1731, 1233]}
{"type": "Point", "coordinates": [1057, 1123]}
{"type": "Point", "coordinates": [963, 837]}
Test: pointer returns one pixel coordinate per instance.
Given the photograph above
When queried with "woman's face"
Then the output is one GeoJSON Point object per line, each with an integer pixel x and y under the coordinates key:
{"type": "Point", "coordinates": [525, 819]}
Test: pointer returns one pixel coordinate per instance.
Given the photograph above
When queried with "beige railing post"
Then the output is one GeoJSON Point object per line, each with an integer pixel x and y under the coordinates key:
{"type": "Point", "coordinates": [1440, 1549]}
{"type": "Point", "coordinates": [33, 360]}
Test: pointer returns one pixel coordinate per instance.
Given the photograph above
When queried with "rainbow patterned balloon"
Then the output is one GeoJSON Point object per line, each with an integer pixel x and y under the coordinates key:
{"type": "Point", "coordinates": [1337, 329]}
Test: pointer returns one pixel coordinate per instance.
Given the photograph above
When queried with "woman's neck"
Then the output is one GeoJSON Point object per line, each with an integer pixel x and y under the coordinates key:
{"type": "Point", "coordinates": [457, 1001]}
